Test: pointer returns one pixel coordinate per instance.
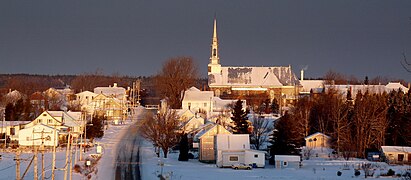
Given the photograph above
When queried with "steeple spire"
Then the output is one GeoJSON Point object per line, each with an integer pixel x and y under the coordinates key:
{"type": "Point", "coordinates": [214, 66]}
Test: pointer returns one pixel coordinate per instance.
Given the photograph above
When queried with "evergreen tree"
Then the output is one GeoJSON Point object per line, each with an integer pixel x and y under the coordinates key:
{"type": "Point", "coordinates": [96, 129]}
{"type": "Point", "coordinates": [366, 81]}
{"type": "Point", "coordinates": [241, 125]}
{"type": "Point", "coordinates": [275, 108]}
{"type": "Point", "coordinates": [9, 112]}
{"type": "Point", "coordinates": [285, 139]}
{"type": "Point", "coordinates": [184, 147]}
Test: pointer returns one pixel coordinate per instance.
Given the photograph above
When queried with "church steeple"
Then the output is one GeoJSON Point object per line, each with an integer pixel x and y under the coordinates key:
{"type": "Point", "coordinates": [214, 66]}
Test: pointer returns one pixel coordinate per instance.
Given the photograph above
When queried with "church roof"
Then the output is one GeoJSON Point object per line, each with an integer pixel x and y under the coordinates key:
{"type": "Point", "coordinates": [254, 77]}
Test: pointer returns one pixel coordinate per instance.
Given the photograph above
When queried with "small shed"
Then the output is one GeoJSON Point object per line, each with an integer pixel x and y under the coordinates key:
{"type": "Point", "coordinates": [251, 157]}
{"type": "Point", "coordinates": [287, 161]}
{"type": "Point", "coordinates": [397, 154]}
{"type": "Point", "coordinates": [317, 140]}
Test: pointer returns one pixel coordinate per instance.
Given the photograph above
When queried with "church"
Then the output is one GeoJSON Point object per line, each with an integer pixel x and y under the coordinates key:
{"type": "Point", "coordinates": [277, 82]}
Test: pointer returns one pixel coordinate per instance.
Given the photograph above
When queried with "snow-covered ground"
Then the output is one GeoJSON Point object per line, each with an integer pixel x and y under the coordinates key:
{"type": "Point", "coordinates": [315, 169]}
{"type": "Point", "coordinates": [105, 167]}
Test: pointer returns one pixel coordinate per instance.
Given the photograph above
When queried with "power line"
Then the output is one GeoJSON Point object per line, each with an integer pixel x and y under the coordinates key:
{"type": "Point", "coordinates": [7, 167]}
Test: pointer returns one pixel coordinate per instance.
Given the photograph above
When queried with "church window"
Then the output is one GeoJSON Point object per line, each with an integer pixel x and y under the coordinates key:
{"type": "Point", "coordinates": [214, 52]}
{"type": "Point", "coordinates": [209, 68]}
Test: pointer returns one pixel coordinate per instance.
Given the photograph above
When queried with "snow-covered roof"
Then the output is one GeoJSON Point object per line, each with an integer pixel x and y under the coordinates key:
{"type": "Point", "coordinates": [311, 84]}
{"type": "Point", "coordinates": [263, 77]}
{"type": "Point", "coordinates": [395, 86]}
{"type": "Point", "coordinates": [67, 119]}
{"type": "Point", "coordinates": [291, 158]}
{"type": "Point", "coordinates": [403, 149]}
{"type": "Point", "coordinates": [194, 94]}
{"type": "Point", "coordinates": [316, 134]}
{"type": "Point", "coordinates": [118, 92]}
{"type": "Point", "coordinates": [86, 93]}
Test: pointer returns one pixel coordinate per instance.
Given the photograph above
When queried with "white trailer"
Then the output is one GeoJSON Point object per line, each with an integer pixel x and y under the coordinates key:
{"type": "Point", "coordinates": [255, 158]}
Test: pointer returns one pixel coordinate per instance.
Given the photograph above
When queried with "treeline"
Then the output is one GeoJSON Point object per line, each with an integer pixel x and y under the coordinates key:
{"type": "Point", "coordinates": [28, 83]}
{"type": "Point", "coordinates": [355, 126]}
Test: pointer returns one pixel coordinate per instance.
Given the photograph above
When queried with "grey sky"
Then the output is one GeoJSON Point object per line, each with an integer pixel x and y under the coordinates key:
{"type": "Point", "coordinates": [134, 37]}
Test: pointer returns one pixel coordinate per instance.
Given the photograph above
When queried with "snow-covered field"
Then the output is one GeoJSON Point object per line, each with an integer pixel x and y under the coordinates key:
{"type": "Point", "coordinates": [316, 169]}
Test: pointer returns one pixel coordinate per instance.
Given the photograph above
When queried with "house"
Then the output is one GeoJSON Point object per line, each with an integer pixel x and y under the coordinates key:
{"type": "Point", "coordinates": [38, 134]}
{"type": "Point", "coordinates": [287, 161]}
{"type": "Point", "coordinates": [112, 91]}
{"type": "Point", "coordinates": [10, 129]}
{"type": "Point", "coordinates": [396, 154]}
{"type": "Point", "coordinates": [198, 101]}
{"type": "Point", "coordinates": [85, 97]}
{"type": "Point", "coordinates": [205, 138]}
{"type": "Point", "coordinates": [59, 120]}
{"type": "Point", "coordinates": [112, 108]}
{"type": "Point", "coordinates": [235, 148]}
{"type": "Point", "coordinates": [317, 140]}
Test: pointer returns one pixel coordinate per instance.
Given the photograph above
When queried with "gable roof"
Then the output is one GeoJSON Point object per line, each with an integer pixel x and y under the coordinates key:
{"type": "Point", "coordinates": [316, 134]}
{"type": "Point", "coordinates": [194, 94]}
{"type": "Point", "coordinates": [207, 128]}
{"type": "Point", "coordinates": [403, 149]}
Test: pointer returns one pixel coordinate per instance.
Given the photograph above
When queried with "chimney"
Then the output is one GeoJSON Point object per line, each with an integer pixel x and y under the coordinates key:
{"type": "Point", "coordinates": [115, 85]}
{"type": "Point", "coordinates": [302, 75]}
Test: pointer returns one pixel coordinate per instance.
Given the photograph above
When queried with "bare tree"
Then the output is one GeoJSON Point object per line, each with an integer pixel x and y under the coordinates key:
{"type": "Point", "coordinates": [161, 129]}
{"type": "Point", "coordinates": [176, 76]}
{"type": "Point", "coordinates": [262, 129]}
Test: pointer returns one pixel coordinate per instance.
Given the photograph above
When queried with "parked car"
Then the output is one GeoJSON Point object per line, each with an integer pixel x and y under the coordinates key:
{"type": "Point", "coordinates": [241, 166]}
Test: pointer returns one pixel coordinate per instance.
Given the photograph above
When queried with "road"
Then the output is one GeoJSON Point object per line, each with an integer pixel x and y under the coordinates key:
{"type": "Point", "coordinates": [127, 161]}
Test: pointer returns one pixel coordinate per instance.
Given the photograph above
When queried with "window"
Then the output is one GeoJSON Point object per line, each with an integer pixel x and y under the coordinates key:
{"type": "Point", "coordinates": [39, 121]}
{"type": "Point", "coordinates": [189, 105]}
{"type": "Point", "coordinates": [400, 157]}
{"type": "Point", "coordinates": [49, 121]}
{"type": "Point", "coordinates": [12, 131]}
{"type": "Point", "coordinates": [205, 104]}
{"type": "Point", "coordinates": [285, 163]}
{"type": "Point", "coordinates": [233, 158]}
{"type": "Point", "coordinates": [214, 52]}
{"type": "Point", "coordinates": [27, 138]}
{"type": "Point", "coordinates": [44, 114]}
{"type": "Point", "coordinates": [255, 155]}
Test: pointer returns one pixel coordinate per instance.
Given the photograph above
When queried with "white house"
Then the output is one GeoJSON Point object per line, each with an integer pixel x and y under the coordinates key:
{"type": "Point", "coordinates": [198, 101]}
{"type": "Point", "coordinates": [85, 97]}
{"type": "Point", "coordinates": [11, 129]}
{"type": "Point", "coordinates": [287, 161]}
{"type": "Point", "coordinates": [235, 148]}
{"type": "Point", "coordinates": [37, 135]}
{"type": "Point", "coordinates": [397, 154]}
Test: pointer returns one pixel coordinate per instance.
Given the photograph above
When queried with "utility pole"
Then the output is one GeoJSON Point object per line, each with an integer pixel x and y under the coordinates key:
{"type": "Point", "coordinates": [35, 171]}
{"type": "Point", "coordinates": [4, 118]}
{"type": "Point", "coordinates": [67, 156]}
{"type": "Point", "coordinates": [53, 166]}
{"type": "Point", "coordinates": [17, 159]}
{"type": "Point", "coordinates": [42, 154]}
